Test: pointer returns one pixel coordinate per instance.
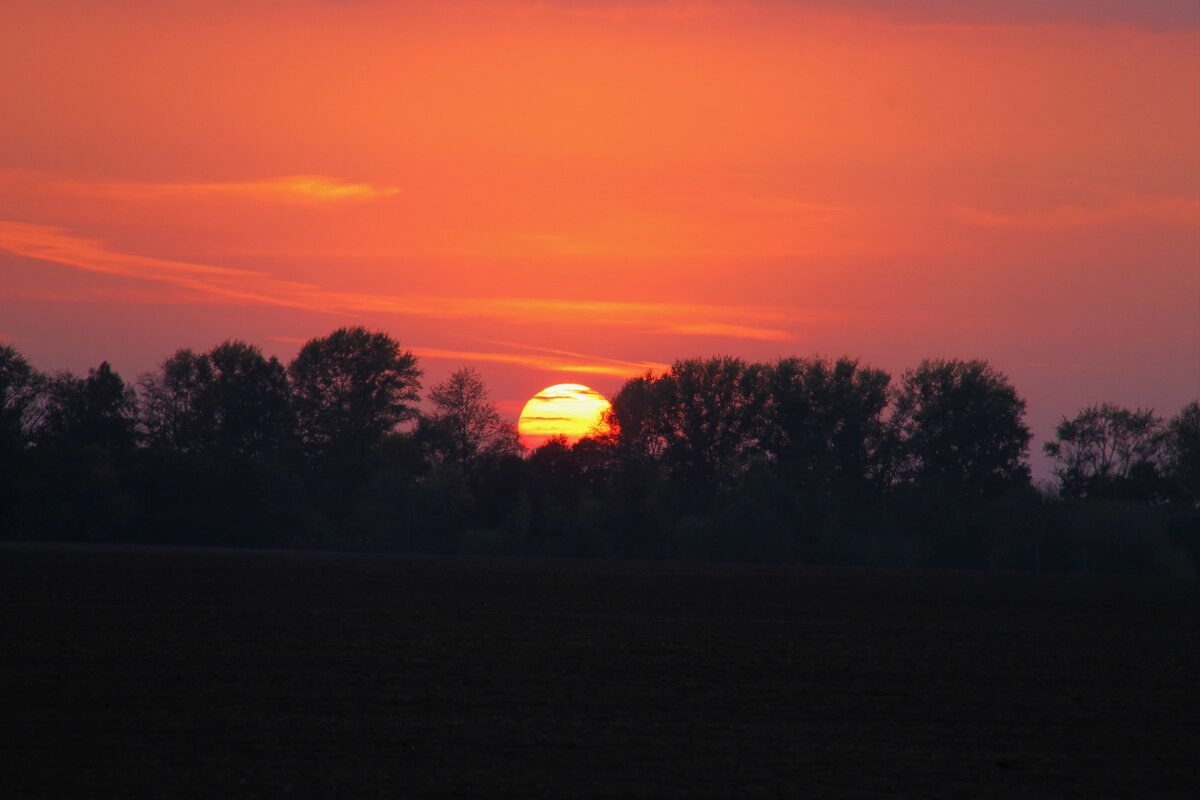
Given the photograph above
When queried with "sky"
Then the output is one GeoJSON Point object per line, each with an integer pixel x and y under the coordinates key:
{"type": "Point", "coordinates": [559, 192]}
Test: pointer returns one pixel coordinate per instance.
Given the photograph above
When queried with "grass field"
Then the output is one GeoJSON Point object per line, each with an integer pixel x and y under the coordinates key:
{"type": "Point", "coordinates": [204, 673]}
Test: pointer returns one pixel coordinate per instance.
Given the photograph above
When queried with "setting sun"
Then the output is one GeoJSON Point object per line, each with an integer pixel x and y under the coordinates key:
{"type": "Point", "coordinates": [564, 409]}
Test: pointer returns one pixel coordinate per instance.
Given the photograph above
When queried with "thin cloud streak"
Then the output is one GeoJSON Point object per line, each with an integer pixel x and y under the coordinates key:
{"type": "Point", "coordinates": [640, 365]}
{"type": "Point", "coordinates": [287, 189]}
{"type": "Point", "coordinates": [204, 283]}
{"type": "Point", "coordinates": [284, 189]}
{"type": "Point", "coordinates": [542, 363]}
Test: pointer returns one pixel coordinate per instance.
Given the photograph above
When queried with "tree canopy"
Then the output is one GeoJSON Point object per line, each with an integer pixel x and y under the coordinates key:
{"type": "Point", "coordinates": [1107, 450]}
{"type": "Point", "coordinates": [99, 410]}
{"type": "Point", "coordinates": [960, 427]}
{"type": "Point", "coordinates": [351, 388]}
{"type": "Point", "coordinates": [803, 459]}
{"type": "Point", "coordinates": [465, 426]}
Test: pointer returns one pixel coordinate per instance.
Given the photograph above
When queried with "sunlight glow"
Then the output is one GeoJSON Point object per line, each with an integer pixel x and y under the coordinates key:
{"type": "Point", "coordinates": [565, 409]}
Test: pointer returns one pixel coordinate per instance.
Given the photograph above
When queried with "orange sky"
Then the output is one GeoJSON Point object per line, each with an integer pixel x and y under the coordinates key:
{"type": "Point", "coordinates": [574, 192]}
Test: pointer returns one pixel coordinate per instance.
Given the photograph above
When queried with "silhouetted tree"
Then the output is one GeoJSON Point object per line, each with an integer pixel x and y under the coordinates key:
{"type": "Point", "coordinates": [176, 403]}
{"type": "Point", "coordinates": [99, 410]}
{"type": "Point", "coordinates": [230, 400]}
{"type": "Point", "coordinates": [20, 387]}
{"type": "Point", "coordinates": [465, 426]}
{"type": "Point", "coordinates": [351, 388]}
{"type": "Point", "coordinates": [1108, 451]}
{"type": "Point", "coordinates": [1183, 451]}
{"type": "Point", "coordinates": [77, 479]}
{"type": "Point", "coordinates": [960, 428]}
{"type": "Point", "coordinates": [708, 416]}
{"type": "Point", "coordinates": [251, 399]}
{"type": "Point", "coordinates": [630, 421]}
{"type": "Point", "coordinates": [825, 421]}
{"type": "Point", "coordinates": [715, 459]}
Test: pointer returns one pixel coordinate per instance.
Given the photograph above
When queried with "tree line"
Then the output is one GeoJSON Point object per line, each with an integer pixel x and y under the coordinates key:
{"type": "Point", "coordinates": [806, 460]}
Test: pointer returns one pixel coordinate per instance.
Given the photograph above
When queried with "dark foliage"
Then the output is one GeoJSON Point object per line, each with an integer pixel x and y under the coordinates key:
{"type": "Point", "coordinates": [350, 389]}
{"type": "Point", "coordinates": [1109, 451]}
{"type": "Point", "coordinates": [802, 460]}
{"type": "Point", "coordinates": [960, 429]}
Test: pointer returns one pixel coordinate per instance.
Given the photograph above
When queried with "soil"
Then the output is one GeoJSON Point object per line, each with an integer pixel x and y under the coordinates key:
{"type": "Point", "coordinates": [199, 673]}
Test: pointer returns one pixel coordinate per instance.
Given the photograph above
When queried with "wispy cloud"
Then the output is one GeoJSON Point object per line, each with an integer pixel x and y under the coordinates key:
{"type": "Point", "coordinates": [1169, 209]}
{"type": "Point", "coordinates": [190, 282]}
{"type": "Point", "coordinates": [577, 363]}
{"type": "Point", "coordinates": [283, 189]}
{"type": "Point", "coordinates": [581, 365]}
{"type": "Point", "coordinates": [725, 330]}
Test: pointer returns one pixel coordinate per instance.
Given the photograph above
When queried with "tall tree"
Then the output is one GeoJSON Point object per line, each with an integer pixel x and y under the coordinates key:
{"type": "Point", "coordinates": [99, 410]}
{"type": "Point", "coordinates": [20, 386]}
{"type": "Point", "coordinates": [231, 400]}
{"type": "Point", "coordinates": [960, 428]}
{"type": "Point", "coordinates": [465, 426]}
{"type": "Point", "coordinates": [708, 414]}
{"type": "Point", "coordinates": [176, 402]}
{"type": "Point", "coordinates": [1183, 451]}
{"type": "Point", "coordinates": [351, 388]}
{"type": "Point", "coordinates": [825, 421]}
{"type": "Point", "coordinates": [630, 422]}
{"type": "Point", "coordinates": [251, 399]}
{"type": "Point", "coordinates": [20, 391]}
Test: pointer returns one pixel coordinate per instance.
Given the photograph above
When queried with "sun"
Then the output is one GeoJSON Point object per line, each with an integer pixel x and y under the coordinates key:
{"type": "Point", "coordinates": [564, 409]}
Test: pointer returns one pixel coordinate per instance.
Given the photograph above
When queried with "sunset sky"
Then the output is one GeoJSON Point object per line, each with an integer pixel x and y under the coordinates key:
{"type": "Point", "coordinates": [563, 192]}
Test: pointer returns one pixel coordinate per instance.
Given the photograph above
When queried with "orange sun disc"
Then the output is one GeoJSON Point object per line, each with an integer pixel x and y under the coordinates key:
{"type": "Point", "coordinates": [565, 409]}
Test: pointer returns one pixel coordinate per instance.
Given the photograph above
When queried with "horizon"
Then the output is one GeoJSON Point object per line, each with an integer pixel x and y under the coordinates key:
{"type": "Point", "coordinates": [574, 194]}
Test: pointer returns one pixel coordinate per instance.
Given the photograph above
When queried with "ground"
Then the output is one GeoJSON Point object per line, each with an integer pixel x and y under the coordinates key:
{"type": "Point", "coordinates": [155, 672]}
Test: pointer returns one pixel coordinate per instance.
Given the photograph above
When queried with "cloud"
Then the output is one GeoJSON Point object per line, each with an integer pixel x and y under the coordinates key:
{"type": "Point", "coordinates": [190, 282]}
{"type": "Point", "coordinates": [199, 282]}
{"type": "Point", "coordinates": [729, 331]}
{"type": "Point", "coordinates": [581, 365]}
{"type": "Point", "coordinates": [1173, 210]}
{"type": "Point", "coordinates": [285, 189]}
{"type": "Point", "coordinates": [577, 363]}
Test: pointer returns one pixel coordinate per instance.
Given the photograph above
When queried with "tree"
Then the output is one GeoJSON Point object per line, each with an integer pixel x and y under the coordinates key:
{"type": "Point", "coordinates": [465, 426]}
{"type": "Point", "coordinates": [99, 410]}
{"type": "Point", "coordinates": [825, 421]}
{"type": "Point", "coordinates": [1183, 450]}
{"type": "Point", "coordinates": [708, 415]}
{"type": "Point", "coordinates": [629, 422]}
{"type": "Point", "coordinates": [960, 428]}
{"type": "Point", "coordinates": [1107, 451]}
{"type": "Point", "coordinates": [20, 391]}
{"type": "Point", "coordinates": [251, 400]}
{"type": "Point", "coordinates": [231, 400]}
{"type": "Point", "coordinates": [177, 409]}
{"type": "Point", "coordinates": [351, 388]}
{"type": "Point", "coordinates": [20, 387]}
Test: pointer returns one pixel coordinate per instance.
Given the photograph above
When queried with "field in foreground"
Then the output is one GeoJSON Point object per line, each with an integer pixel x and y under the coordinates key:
{"type": "Point", "coordinates": [202, 673]}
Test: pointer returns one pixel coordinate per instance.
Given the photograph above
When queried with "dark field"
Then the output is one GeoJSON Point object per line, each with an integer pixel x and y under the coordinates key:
{"type": "Point", "coordinates": [167, 673]}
